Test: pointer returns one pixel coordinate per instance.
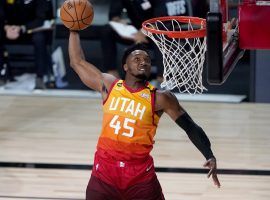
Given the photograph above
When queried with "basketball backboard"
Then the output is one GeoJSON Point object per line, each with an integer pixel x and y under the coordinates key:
{"type": "Point", "coordinates": [227, 39]}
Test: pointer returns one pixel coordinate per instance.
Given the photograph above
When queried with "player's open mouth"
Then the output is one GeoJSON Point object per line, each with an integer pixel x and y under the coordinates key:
{"type": "Point", "coordinates": [141, 69]}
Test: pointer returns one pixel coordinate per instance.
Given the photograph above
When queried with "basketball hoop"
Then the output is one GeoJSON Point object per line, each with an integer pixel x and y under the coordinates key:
{"type": "Point", "coordinates": [182, 42]}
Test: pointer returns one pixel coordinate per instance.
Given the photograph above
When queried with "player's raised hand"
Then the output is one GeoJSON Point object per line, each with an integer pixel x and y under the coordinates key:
{"type": "Point", "coordinates": [212, 165]}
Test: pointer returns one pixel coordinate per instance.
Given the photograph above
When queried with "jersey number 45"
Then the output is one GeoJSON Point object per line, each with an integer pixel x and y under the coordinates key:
{"type": "Point", "coordinates": [116, 125]}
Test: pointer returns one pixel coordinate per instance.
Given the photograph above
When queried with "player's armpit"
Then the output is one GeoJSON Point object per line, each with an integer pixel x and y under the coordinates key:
{"type": "Point", "coordinates": [107, 83]}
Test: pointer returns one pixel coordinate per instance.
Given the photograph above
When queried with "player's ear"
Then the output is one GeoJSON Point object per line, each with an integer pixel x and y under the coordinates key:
{"type": "Point", "coordinates": [125, 67]}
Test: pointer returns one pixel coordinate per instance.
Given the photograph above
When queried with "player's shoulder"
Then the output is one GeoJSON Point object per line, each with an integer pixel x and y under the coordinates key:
{"type": "Point", "coordinates": [165, 97]}
{"type": "Point", "coordinates": [164, 94]}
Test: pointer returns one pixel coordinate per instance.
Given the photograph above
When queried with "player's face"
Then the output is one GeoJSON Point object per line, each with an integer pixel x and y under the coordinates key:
{"type": "Point", "coordinates": [138, 64]}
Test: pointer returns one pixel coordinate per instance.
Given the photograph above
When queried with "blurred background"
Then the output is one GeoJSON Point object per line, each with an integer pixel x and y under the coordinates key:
{"type": "Point", "coordinates": [249, 79]}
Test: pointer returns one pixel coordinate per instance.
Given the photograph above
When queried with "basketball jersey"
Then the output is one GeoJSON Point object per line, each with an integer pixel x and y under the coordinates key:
{"type": "Point", "coordinates": [129, 122]}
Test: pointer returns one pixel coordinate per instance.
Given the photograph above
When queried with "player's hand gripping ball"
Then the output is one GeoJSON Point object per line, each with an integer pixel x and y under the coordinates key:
{"type": "Point", "coordinates": [77, 14]}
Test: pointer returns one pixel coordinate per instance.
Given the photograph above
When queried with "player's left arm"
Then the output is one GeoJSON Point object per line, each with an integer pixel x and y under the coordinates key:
{"type": "Point", "coordinates": [169, 104]}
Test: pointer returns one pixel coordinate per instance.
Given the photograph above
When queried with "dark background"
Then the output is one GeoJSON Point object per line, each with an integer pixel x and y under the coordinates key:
{"type": "Point", "coordinates": [251, 76]}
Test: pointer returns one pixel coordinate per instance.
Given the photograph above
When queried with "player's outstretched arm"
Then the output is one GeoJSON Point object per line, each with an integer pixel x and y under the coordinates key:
{"type": "Point", "coordinates": [90, 75]}
{"type": "Point", "coordinates": [169, 104]}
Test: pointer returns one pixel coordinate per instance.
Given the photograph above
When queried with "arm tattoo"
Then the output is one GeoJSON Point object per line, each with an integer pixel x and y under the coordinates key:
{"type": "Point", "coordinates": [104, 89]}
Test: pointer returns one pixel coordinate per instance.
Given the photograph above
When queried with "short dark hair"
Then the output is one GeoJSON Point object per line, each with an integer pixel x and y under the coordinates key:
{"type": "Point", "coordinates": [129, 50]}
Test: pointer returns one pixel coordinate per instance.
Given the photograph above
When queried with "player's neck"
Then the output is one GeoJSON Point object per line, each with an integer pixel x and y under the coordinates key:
{"type": "Point", "coordinates": [134, 84]}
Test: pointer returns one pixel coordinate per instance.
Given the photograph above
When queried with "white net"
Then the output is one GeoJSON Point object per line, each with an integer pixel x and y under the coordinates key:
{"type": "Point", "coordinates": [183, 58]}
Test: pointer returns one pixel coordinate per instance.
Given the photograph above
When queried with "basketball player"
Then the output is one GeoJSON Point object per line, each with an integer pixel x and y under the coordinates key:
{"type": "Point", "coordinates": [123, 167]}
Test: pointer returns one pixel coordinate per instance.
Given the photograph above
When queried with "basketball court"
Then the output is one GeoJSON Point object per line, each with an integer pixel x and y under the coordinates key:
{"type": "Point", "coordinates": [48, 143]}
{"type": "Point", "coordinates": [48, 139]}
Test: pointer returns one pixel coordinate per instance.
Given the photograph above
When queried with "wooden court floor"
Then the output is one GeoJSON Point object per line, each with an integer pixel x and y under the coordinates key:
{"type": "Point", "coordinates": [47, 146]}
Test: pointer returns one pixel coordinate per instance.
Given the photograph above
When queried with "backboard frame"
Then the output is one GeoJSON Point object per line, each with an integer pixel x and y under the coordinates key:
{"type": "Point", "coordinates": [223, 50]}
{"type": "Point", "coordinates": [226, 45]}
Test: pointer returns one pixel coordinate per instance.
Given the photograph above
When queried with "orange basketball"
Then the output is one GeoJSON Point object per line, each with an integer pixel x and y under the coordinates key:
{"type": "Point", "coordinates": [77, 14]}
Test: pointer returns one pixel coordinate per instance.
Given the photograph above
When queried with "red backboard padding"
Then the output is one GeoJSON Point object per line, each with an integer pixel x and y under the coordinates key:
{"type": "Point", "coordinates": [254, 26]}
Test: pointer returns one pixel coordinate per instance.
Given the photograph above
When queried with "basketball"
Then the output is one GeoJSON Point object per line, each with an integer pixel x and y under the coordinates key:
{"type": "Point", "coordinates": [77, 14]}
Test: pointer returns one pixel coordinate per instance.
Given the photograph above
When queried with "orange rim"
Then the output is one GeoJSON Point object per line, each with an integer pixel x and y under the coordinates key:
{"type": "Point", "coordinates": [178, 34]}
